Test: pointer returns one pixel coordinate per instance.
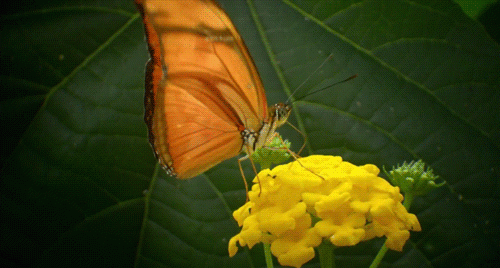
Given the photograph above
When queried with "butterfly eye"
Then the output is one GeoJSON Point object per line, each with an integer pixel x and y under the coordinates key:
{"type": "Point", "coordinates": [280, 112]}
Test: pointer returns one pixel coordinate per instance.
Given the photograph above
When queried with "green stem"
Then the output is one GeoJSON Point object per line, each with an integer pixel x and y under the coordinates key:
{"type": "Point", "coordinates": [408, 200]}
{"type": "Point", "coordinates": [379, 257]}
{"type": "Point", "coordinates": [267, 254]}
{"type": "Point", "coordinates": [381, 253]}
{"type": "Point", "coordinates": [326, 255]}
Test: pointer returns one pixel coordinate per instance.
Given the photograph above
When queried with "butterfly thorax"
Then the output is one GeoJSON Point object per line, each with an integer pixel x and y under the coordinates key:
{"type": "Point", "coordinates": [277, 116]}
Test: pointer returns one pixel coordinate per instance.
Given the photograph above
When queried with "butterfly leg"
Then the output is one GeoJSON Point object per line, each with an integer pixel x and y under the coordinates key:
{"type": "Point", "coordinates": [303, 135]}
{"type": "Point", "coordinates": [296, 156]}
{"type": "Point", "coordinates": [243, 176]}
{"type": "Point", "coordinates": [254, 170]}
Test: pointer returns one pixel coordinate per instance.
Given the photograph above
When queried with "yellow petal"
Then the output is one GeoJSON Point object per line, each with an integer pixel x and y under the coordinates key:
{"type": "Point", "coordinates": [232, 247]}
{"type": "Point", "coordinates": [325, 228]}
{"type": "Point", "coordinates": [361, 207]}
{"type": "Point", "coordinates": [297, 211]}
{"type": "Point", "coordinates": [296, 257]}
{"type": "Point", "coordinates": [277, 225]}
{"type": "Point", "coordinates": [371, 169]}
{"type": "Point", "coordinates": [311, 198]}
{"type": "Point", "coordinates": [347, 236]}
{"type": "Point", "coordinates": [242, 213]}
{"type": "Point", "coordinates": [250, 234]}
{"type": "Point", "coordinates": [282, 245]}
{"type": "Point", "coordinates": [332, 202]}
{"type": "Point", "coordinates": [397, 240]}
{"type": "Point", "coordinates": [413, 223]}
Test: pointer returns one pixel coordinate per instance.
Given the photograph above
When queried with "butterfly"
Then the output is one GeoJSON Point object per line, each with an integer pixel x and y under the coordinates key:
{"type": "Point", "coordinates": [204, 100]}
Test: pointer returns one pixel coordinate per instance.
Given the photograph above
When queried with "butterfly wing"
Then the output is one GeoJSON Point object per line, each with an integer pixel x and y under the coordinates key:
{"type": "Point", "coordinates": [202, 88]}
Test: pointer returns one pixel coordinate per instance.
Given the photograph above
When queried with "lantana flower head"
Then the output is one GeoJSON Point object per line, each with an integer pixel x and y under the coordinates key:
{"type": "Point", "coordinates": [298, 205]}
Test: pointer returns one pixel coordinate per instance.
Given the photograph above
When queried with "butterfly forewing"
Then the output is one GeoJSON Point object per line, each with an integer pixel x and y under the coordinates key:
{"type": "Point", "coordinates": [202, 88]}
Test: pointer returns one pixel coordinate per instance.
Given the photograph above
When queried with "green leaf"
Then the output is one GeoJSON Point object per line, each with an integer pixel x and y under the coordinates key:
{"type": "Point", "coordinates": [475, 8]}
{"type": "Point", "coordinates": [80, 185]}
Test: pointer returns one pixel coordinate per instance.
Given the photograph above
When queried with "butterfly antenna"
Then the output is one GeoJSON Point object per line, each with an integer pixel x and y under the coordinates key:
{"type": "Point", "coordinates": [309, 77]}
{"type": "Point", "coordinates": [329, 86]}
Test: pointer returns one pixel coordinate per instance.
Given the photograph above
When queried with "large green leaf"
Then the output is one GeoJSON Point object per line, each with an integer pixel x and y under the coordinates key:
{"type": "Point", "coordinates": [80, 185]}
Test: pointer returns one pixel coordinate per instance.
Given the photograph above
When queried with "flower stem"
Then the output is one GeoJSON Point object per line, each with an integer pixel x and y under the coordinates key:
{"type": "Point", "coordinates": [381, 253]}
{"type": "Point", "coordinates": [379, 257]}
{"type": "Point", "coordinates": [326, 256]}
{"type": "Point", "coordinates": [408, 200]}
{"type": "Point", "coordinates": [267, 254]}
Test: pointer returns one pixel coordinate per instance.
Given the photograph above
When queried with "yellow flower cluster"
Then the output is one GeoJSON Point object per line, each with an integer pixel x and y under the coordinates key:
{"type": "Point", "coordinates": [347, 203]}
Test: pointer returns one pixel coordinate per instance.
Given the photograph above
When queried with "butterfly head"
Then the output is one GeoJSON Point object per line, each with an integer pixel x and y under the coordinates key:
{"type": "Point", "coordinates": [279, 113]}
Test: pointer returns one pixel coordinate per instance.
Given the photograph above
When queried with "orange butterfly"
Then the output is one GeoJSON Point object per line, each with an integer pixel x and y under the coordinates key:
{"type": "Point", "coordinates": [204, 99]}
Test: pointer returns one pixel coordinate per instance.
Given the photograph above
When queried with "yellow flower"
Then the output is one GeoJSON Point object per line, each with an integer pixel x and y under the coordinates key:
{"type": "Point", "coordinates": [348, 203]}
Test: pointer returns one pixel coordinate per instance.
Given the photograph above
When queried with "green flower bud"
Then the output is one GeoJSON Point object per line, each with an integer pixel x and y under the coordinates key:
{"type": "Point", "coordinates": [413, 179]}
{"type": "Point", "coordinates": [275, 152]}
